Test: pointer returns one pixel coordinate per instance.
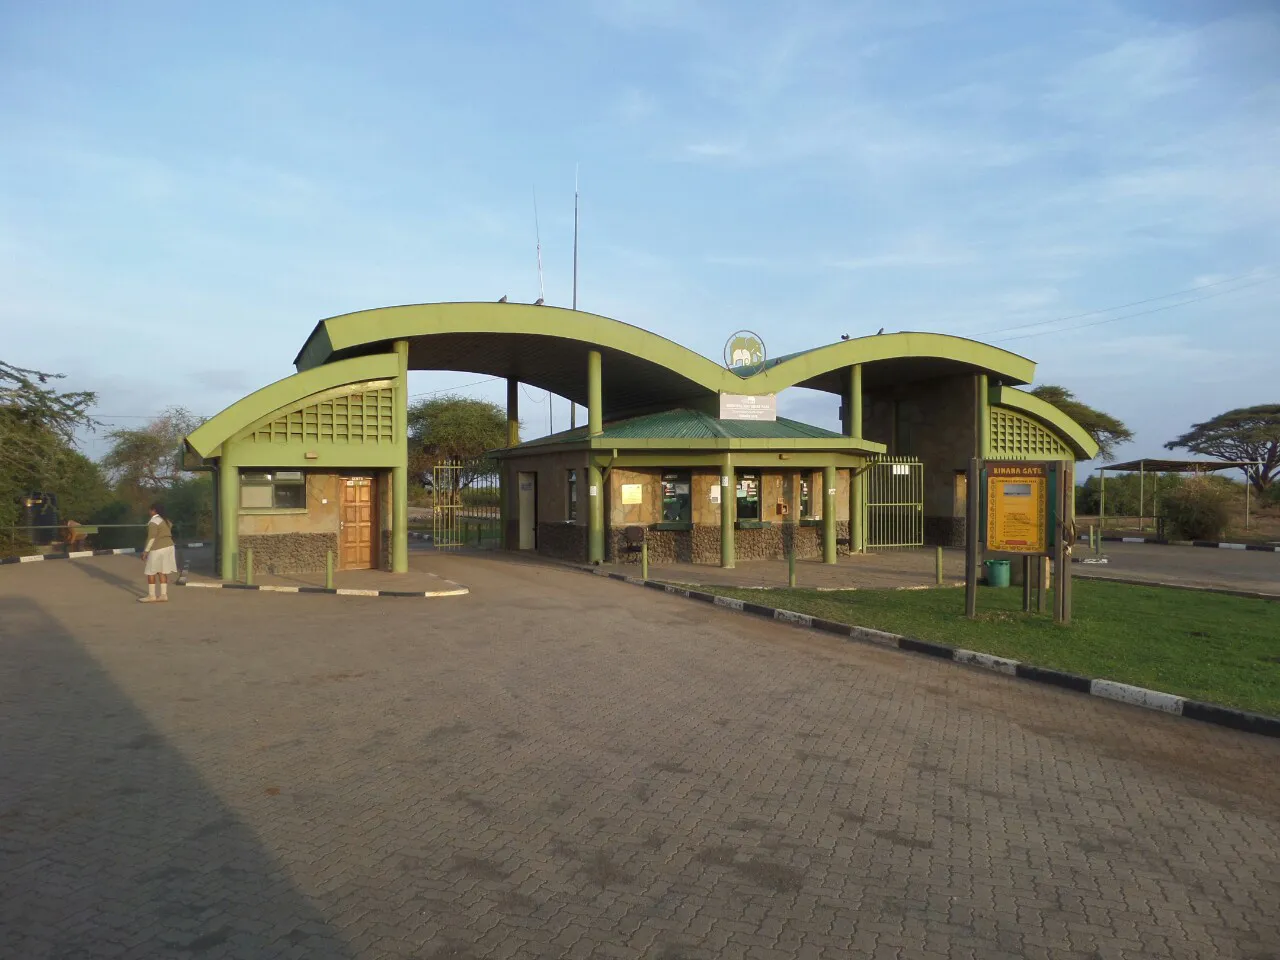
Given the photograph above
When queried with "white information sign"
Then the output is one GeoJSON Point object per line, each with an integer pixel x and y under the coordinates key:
{"type": "Point", "coordinates": [633, 493]}
{"type": "Point", "coordinates": [734, 406]}
{"type": "Point", "coordinates": [715, 494]}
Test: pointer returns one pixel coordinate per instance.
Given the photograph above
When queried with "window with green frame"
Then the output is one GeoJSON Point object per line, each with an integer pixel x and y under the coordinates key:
{"type": "Point", "coordinates": [279, 490]}
{"type": "Point", "coordinates": [677, 497]}
{"type": "Point", "coordinates": [748, 496]}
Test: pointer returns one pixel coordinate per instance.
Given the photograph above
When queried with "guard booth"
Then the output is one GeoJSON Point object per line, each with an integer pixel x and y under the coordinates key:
{"type": "Point", "coordinates": [317, 464]}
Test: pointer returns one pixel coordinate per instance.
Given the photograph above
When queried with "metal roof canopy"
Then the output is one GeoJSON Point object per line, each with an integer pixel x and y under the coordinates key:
{"type": "Point", "coordinates": [546, 347]}
{"type": "Point", "coordinates": [1178, 466]}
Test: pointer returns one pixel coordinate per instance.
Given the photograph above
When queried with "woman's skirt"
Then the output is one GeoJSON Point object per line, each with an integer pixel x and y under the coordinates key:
{"type": "Point", "coordinates": [164, 560]}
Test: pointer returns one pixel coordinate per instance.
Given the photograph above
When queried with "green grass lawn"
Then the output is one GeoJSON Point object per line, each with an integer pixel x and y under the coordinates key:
{"type": "Point", "coordinates": [1204, 646]}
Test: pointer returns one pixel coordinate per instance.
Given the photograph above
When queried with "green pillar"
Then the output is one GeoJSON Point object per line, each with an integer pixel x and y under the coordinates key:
{"type": "Point", "coordinates": [983, 438]}
{"type": "Point", "coordinates": [228, 511]}
{"type": "Point", "coordinates": [595, 513]}
{"type": "Point", "coordinates": [857, 525]}
{"type": "Point", "coordinates": [853, 403]}
{"type": "Point", "coordinates": [853, 428]}
{"type": "Point", "coordinates": [829, 514]}
{"type": "Point", "coordinates": [595, 405]}
{"type": "Point", "coordinates": [595, 476]}
{"type": "Point", "coordinates": [728, 502]}
{"type": "Point", "coordinates": [400, 472]}
{"type": "Point", "coordinates": [507, 485]}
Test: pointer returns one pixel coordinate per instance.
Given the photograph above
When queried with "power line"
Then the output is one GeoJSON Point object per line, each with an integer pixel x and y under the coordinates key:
{"type": "Point", "coordinates": [1122, 306]}
{"type": "Point", "coordinates": [1129, 316]}
{"type": "Point", "coordinates": [461, 386]}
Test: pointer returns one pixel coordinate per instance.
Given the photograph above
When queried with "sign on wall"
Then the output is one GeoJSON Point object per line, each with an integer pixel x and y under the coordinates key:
{"type": "Point", "coordinates": [734, 406]}
{"type": "Point", "coordinates": [632, 493]}
{"type": "Point", "coordinates": [1018, 507]}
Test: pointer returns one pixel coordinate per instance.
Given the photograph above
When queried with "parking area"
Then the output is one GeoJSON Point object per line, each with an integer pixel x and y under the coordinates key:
{"type": "Point", "coordinates": [559, 765]}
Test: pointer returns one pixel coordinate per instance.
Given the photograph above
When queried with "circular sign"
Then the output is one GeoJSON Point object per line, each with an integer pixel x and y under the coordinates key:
{"type": "Point", "coordinates": [744, 350]}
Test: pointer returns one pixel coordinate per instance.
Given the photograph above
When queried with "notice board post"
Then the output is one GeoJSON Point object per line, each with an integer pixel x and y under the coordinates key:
{"type": "Point", "coordinates": [972, 529]}
{"type": "Point", "coordinates": [1022, 503]}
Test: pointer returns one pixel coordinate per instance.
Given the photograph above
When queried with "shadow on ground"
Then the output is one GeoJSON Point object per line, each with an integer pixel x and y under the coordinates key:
{"type": "Point", "coordinates": [111, 843]}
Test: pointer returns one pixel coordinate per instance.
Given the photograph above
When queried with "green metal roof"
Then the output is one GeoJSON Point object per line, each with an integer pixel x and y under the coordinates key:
{"type": "Point", "coordinates": [693, 425]}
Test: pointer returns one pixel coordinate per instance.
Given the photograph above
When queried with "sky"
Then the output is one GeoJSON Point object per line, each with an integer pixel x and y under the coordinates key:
{"type": "Point", "coordinates": [185, 189]}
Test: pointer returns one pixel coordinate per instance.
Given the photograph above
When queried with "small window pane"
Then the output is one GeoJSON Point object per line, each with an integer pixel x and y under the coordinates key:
{"type": "Point", "coordinates": [290, 496]}
{"type": "Point", "coordinates": [255, 496]}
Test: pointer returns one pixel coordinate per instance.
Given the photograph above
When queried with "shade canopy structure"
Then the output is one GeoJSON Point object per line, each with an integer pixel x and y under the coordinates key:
{"type": "Point", "coordinates": [1176, 466]}
{"type": "Point", "coordinates": [548, 348]}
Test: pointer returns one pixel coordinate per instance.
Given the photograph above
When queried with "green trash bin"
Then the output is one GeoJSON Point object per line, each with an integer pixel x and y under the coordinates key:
{"type": "Point", "coordinates": [997, 573]}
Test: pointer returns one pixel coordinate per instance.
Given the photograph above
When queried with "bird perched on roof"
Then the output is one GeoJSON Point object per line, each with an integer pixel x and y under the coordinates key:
{"type": "Point", "coordinates": [844, 336]}
{"type": "Point", "coordinates": [503, 298]}
{"type": "Point", "coordinates": [538, 302]}
{"type": "Point", "coordinates": [880, 331]}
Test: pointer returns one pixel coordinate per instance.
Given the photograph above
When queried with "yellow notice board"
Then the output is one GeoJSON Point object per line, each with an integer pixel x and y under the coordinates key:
{"type": "Point", "coordinates": [1017, 507]}
{"type": "Point", "coordinates": [633, 493]}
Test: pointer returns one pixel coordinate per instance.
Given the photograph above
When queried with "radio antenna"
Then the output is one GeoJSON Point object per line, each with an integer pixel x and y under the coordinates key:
{"type": "Point", "coordinates": [537, 234]}
{"type": "Point", "coordinates": [573, 407]}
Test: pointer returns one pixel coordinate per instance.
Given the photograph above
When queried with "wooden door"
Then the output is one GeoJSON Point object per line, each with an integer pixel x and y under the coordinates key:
{"type": "Point", "coordinates": [528, 510]}
{"type": "Point", "coordinates": [356, 533]}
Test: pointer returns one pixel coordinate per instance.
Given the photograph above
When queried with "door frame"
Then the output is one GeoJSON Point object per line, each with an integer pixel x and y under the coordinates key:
{"type": "Point", "coordinates": [375, 516]}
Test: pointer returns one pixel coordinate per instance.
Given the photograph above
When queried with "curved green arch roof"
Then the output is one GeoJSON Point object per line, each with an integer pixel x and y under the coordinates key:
{"type": "Point", "coordinates": [207, 439]}
{"type": "Point", "coordinates": [546, 347]}
{"type": "Point", "coordinates": [1085, 447]}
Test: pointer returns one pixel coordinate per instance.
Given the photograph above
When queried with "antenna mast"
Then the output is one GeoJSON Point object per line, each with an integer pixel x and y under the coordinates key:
{"type": "Point", "coordinates": [537, 233]}
{"type": "Point", "coordinates": [573, 407]}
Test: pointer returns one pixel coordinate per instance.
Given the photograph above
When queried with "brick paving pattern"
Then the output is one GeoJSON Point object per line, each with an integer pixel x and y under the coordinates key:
{"type": "Point", "coordinates": [560, 765]}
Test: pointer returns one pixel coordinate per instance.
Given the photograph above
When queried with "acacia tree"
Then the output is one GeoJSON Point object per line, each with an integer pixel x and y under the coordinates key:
{"type": "Point", "coordinates": [455, 428]}
{"type": "Point", "coordinates": [1107, 432]}
{"type": "Point", "coordinates": [37, 436]}
{"type": "Point", "coordinates": [149, 458]}
{"type": "Point", "coordinates": [1249, 434]}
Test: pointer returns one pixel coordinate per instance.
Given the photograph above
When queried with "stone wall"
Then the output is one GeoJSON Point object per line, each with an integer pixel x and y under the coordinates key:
{"type": "Point", "coordinates": [944, 531]}
{"type": "Point", "coordinates": [564, 541]}
{"type": "Point", "coordinates": [288, 552]}
{"type": "Point", "coordinates": [702, 543]}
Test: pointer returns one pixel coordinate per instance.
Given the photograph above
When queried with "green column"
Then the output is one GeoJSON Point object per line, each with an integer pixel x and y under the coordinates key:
{"type": "Point", "coordinates": [853, 428]}
{"type": "Point", "coordinates": [507, 485]}
{"type": "Point", "coordinates": [728, 501]}
{"type": "Point", "coordinates": [983, 439]}
{"type": "Point", "coordinates": [228, 511]}
{"type": "Point", "coordinates": [595, 477]}
{"type": "Point", "coordinates": [400, 472]}
{"type": "Point", "coordinates": [853, 404]}
{"type": "Point", "coordinates": [595, 405]}
{"type": "Point", "coordinates": [829, 514]}
{"type": "Point", "coordinates": [595, 513]}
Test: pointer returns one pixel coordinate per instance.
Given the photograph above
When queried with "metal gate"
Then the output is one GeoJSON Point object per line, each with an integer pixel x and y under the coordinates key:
{"type": "Point", "coordinates": [894, 511]}
{"type": "Point", "coordinates": [464, 501]}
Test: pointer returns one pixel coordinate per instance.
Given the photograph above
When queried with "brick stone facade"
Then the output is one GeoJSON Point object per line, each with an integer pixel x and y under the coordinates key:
{"type": "Point", "coordinates": [563, 541]}
{"type": "Point", "coordinates": [288, 552]}
{"type": "Point", "coordinates": [702, 543]}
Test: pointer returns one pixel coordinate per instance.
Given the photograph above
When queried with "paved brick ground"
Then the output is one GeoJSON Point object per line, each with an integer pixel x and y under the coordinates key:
{"type": "Point", "coordinates": [563, 766]}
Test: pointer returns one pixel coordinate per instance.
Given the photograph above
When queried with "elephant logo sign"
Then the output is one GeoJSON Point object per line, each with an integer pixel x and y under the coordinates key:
{"type": "Point", "coordinates": [744, 351]}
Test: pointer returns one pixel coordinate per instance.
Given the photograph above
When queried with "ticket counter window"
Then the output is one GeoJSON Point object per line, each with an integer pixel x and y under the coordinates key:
{"type": "Point", "coordinates": [677, 502]}
{"type": "Point", "coordinates": [749, 496]}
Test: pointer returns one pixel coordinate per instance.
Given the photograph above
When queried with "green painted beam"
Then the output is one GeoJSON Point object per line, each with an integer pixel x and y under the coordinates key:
{"type": "Point", "coordinates": [327, 456]}
{"type": "Point", "coordinates": [595, 516]}
{"type": "Point", "coordinates": [369, 330]}
{"type": "Point", "coordinates": [1053, 419]}
{"type": "Point", "coordinates": [853, 403]}
{"type": "Point", "coordinates": [271, 400]}
{"type": "Point", "coordinates": [983, 433]}
{"type": "Point", "coordinates": [800, 461]}
{"type": "Point", "coordinates": [513, 412]}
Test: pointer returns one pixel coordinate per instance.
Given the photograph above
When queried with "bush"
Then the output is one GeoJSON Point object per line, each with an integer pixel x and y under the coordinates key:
{"type": "Point", "coordinates": [1199, 509]}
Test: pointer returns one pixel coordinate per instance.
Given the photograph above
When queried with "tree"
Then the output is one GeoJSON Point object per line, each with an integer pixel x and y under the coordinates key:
{"type": "Point", "coordinates": [149, 459]}
{"type": "Point", "coordinates": [1248, 434]}
{"type": "Point", "coordinates": [1107, 432]}
{"type": "Point", "coordinates": [455, 428]}
{"type": "Point", "coordinates": [37, 436]}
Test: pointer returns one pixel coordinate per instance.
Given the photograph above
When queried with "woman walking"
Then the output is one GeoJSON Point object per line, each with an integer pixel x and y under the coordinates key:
{"type": "Point", "coordinates": [159, 556]}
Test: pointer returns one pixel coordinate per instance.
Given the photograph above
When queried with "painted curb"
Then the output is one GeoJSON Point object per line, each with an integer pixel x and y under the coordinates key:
{"type": "Point", "coordinates": [1157, 700]}
{"type": "Point", "coordinates": [81, 554]}
{"type": "Point", "coordinates": [457, 591]}
{"type": "Point", "coordinates": [1211, 544]}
